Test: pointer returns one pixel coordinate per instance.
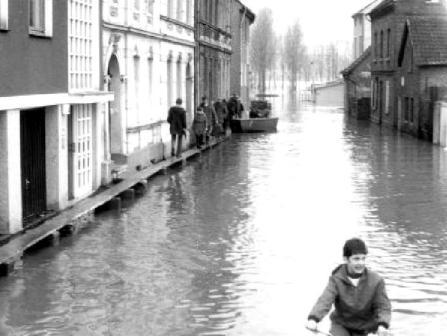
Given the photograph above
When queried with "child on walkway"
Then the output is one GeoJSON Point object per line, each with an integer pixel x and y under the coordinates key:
{"type": "Point", "coordinates": [199, 127]}
{"type": "Point", "coordinates": [358, 294]}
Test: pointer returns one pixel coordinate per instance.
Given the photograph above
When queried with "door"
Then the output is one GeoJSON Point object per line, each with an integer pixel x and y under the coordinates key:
{"type": "Point", "coordinates": [32, 137]}
{"type": "Point", "coordinates": [81, 150]}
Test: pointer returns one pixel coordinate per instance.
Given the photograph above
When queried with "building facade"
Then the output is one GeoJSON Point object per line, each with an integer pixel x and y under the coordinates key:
{"type": "Point", "coordinates": [422, 69]}
{"type": "Point", "coordinates": [213, 35]}
{"type": "Point", "coordinates": [387, 25]}
{"type": "Point", "coordinates": [148, 56]}
{"type": "Point", "coordinates": [52, 148]}
{"type": "Point", "coordinates": [241, 20]}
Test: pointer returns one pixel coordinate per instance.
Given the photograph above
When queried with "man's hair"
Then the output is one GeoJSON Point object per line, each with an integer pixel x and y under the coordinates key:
{"type": "Point", "coordinates": [179, 101]}
{"type": "Point", "coordinates": [204, 97]}
{"type": "Point", "coordinates": [354, 246]}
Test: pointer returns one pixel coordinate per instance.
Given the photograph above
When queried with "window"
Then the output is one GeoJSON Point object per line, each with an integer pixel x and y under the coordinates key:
{"type": "Point", "coordinates": [179, 10]}
{"type": "Point", "coordinates": [136, 74]}
{"type": "Point", "coordinates": [381, 45]}
{"type": "Point", "coordinates": [41, 17]}
{"type": "Point", "coordinates": [388, 43]}
{"type": "Point", "coordinates": [179, 78]}
{"type": "Point", "coordinates": [170, 8]}
{"type": "Point", "coordinates": [406, 109]}
{"type": "Point", "coordinates": [4, 14]}
{"type": "Point", "coordinates": [387, 97]}
{"type": "Point", "coordinates": [188, 12]}
{"type": "Point", "coordinates": [149, 10]}
{"type": "Point", "coordinates": [169, 81]}
{"type": "Point", "coordinates": [411, 110]}
{"type": "Point", "coordinates": [376, 46]}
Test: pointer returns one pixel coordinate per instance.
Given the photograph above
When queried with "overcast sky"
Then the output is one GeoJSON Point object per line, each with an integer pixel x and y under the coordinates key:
{"type": "Point", "coordinates": [322, 21]}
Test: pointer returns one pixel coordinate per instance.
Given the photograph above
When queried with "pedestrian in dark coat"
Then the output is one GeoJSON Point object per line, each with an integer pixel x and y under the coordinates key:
{"type": "Point", "coordinates": [210, 116]}
{"type": "Point", "coordinates": [358, 295]}
{"type": "Point", "coordinates": [226, 123]}
{"type": "Point", "coordinates": [199, 126]}
{"type": "Point", "coordinates": [177, 126]}
{"type": "Point", "coordinates": [232, 107]}
{"type": "Point", "coordinates": [219, 108]}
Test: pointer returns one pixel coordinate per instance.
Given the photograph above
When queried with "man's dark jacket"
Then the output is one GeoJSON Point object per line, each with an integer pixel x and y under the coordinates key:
{"type": "Point", "coordinates": [362, 308]}
{"type": "Point", "coordinates": [177, 119]}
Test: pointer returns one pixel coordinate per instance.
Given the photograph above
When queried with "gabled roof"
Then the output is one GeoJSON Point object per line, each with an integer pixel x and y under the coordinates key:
{"type": "Point", "coordinates": [428, 36]}
{"type": "Point", "coordinates": [351, 67]}
{"type": "Point", "coordinates": [368, 8]}
{"type": "Point", "coordinates": [381, 7]}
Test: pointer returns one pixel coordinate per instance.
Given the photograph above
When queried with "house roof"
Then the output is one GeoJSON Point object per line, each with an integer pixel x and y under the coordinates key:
{"type": "Point", "coordinates": [368, 8]}
{"type": "Point", "coordinates": [428, 36]}
{"type": "Point", "coordinates": [381, 7]}
{"type": "Point", "coordinates": [351, 67]}
{"type": "Point", "coordinates": [251, 16]}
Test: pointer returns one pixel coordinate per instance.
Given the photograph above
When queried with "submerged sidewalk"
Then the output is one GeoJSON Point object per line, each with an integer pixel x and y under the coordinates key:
{"type": "Point", "coordinates": [71, 219]}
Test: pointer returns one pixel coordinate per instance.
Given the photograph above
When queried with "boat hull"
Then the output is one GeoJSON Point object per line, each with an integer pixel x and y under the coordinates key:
{"type": "Point", "coordinates": [254, 125]}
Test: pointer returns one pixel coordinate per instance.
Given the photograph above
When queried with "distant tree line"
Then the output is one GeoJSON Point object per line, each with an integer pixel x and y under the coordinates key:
{"type": "Point", "coordinates": [285, 58]}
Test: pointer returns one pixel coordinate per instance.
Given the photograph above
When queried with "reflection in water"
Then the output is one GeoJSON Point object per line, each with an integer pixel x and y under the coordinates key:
{"type": "Point", "coordinates": [242, 240]}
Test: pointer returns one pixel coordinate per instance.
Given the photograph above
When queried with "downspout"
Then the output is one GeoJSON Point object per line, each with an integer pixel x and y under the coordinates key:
{"type": "Point", "coordinates": [196, 55]}
{"type": "Point", "coordinates": [124, 78]}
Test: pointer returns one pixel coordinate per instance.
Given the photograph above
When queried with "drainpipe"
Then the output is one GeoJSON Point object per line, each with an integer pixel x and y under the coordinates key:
{"type": "Point", "coordinates": [124, 76]}
{"type": "Point", "coordinates": [196, 54]}
{"type": "Point", "coordinates": [244, 13]}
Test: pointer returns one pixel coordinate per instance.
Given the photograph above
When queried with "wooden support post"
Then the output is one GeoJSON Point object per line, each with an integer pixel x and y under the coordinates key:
{"type": "Point", "coordinates": [54, 238]}
{"type": "Point", "coordinates": [128, 195]}
{"type": "Point", "coordinates": [140, 188]}
{"type": "Point", "coordinates": [7, 268]}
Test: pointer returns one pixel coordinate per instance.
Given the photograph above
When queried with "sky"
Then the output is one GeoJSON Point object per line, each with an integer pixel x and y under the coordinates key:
{"type": "Point", "coordinates": [322, 21]}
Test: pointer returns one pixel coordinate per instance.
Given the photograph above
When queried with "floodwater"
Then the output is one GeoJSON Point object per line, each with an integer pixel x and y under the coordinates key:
{"type": "Point", "coordinates": [241, 241]}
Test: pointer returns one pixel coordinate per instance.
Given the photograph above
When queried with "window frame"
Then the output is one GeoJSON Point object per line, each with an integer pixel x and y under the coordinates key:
{"type": "Point", "coordinates": [4, 14]}
{"type": "Point", "coordinates": [44, 27]}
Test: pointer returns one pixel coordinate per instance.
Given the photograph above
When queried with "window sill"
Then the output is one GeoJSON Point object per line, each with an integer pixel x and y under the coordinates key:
{"type": "Point", "coordinates": [39, 34]}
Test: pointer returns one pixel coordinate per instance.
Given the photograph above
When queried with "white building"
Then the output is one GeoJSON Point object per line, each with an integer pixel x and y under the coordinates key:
{"type": "Point", "coordinates": [52, 110]}
{"type": "Point", "coordinates": [362, 29]}
{"type": "Point", "coordinates": [148, 57]}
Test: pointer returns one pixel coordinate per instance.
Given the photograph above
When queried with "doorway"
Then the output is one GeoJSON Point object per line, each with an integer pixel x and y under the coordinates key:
{"type": "Point", "coordinates": [32, 137]}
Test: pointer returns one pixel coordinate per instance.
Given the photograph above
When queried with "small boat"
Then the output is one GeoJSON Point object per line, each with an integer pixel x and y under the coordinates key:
{"type": "Point", "coordinates": [259, 120]}
{"type": "Point", "coordinates": [253, 125]}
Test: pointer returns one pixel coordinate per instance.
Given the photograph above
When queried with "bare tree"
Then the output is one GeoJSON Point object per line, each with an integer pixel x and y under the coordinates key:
{"type": "Point", "coordinates": [294, 52]}
{"type": "Point", "coordinates": [263, 46]}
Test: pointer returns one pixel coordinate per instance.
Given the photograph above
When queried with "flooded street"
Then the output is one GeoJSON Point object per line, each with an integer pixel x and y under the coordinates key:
{"type": "Point", "coordinates": [241, 241]}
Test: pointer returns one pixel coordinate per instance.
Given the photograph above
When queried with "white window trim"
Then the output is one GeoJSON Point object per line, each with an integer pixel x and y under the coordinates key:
{"type": "Point", "coordinates": [4, 14]}
{"type": "Point", "coordinates": [47, 21]}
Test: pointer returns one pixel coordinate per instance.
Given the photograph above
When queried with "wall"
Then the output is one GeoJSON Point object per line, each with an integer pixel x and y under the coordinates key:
{"type": "Point", "coordinates": [10, 181]}
{"type": "Point", "coordinates": [33, 65]}
{"type": "Point", "coordinates": [331, 95]}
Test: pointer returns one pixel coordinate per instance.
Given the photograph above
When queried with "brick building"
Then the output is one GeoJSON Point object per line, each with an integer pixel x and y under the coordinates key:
{"type": "Point", "coordinates": [422, 70]}
{"type": "Point", "coordinates": [387, 25]}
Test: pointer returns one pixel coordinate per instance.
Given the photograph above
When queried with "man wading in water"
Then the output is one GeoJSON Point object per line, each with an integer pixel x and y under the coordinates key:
{"type": "Point", "coordinates": [358, 294]}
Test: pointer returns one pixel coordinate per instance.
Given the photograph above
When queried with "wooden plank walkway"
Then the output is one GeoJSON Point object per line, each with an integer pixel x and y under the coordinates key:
{"type": "Point", "coordinates": [13, 250]}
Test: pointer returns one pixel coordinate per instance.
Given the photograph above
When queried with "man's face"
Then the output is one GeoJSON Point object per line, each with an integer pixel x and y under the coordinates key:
{"type": "Point", "coordinates": [356, 263]}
